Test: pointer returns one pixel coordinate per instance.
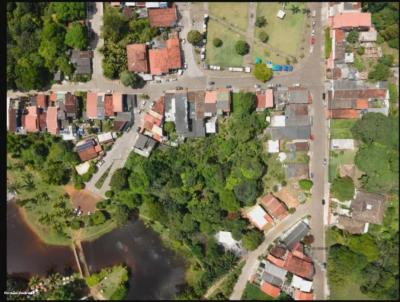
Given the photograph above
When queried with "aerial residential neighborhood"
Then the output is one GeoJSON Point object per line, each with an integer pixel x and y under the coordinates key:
{"type": "Point", "coordinates": [202, 150]}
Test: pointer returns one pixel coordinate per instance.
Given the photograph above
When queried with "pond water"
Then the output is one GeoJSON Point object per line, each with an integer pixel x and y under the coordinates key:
{"type": "Point", "coordinates": [155, 271]}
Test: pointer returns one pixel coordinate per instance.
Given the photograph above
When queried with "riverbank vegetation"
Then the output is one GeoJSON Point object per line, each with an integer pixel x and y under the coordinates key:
{"type": "Point", "coordinates": [39, 34]}
{"type": "Point", "coordinates": [198, 188]}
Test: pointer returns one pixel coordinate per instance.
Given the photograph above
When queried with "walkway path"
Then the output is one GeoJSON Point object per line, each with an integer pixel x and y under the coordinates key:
{"type": "Point", "coordinates": [97, 42]}
{"type": "Point", "coordinates": [251, 19]}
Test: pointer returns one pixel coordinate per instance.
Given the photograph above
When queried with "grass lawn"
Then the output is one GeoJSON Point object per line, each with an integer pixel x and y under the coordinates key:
{"type": "Point", "coordinates": [340, 128]}
{"type": "Point", "coordinates": [253, 292]}
{"type": "Point", "coordinates": [96, 231]}
{"type": "Point", "coordinates": [349, 288]}
{"type": "Point", "coordinates": [301, 158]}
{"type": "Point", "coordinates": [225, 55]}
{"type": "Point", "coordinates": [386, 50]}
{"type": "Point", "coordinates": [285, 36]}
{"type": "Point", "coordinates": [235, 13]}
{"type": "Point", "coordinates": [334, 161]}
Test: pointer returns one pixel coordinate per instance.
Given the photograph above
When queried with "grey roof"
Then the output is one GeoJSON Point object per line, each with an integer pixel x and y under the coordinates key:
{"type": "Point", "coordinates": [298, 96]}
{"type": "Point", "coordinates": [131, 101]}
{"type": "Point", "coordinates": [296, 109]}
{"type": "Point", "coordinates": [272, 279]}
{"type": "Point", "coordinates": [100, 106]}
{"type": "Point", "coordinates": [290, 132]}
{"type": "Point", "coordinates": [300, 120]}
{"type": "Point", "coordinates": [297, 170]}
{"type": "Point", "coordinates": [341, 103]}
{"type": "Point", "coordinates": [124, 116]}
{"type": "Point", "coordinates": [275, 271]}
{"type": "Point", "coordinates": [197, 128]}
{"type": "Point", "coordinates": [384, 110]}
{"type": "Point", "coordinates": [145, 142]}
{"type": "Point", "coordinates": [32, 100]}
{"type": "Point", "coordinates": [181, 115]}
{"type": "Point", "coordinates": [82, 61]}
{"type": "Point", "coordinates": [351, 225]}
{"type": "Point", "coordinates": [169, 114]}
{"type": "Point", "coordinates": [368, 207]}
{"type": "Point", "coordinates": [296, 234]}
{"type": "Point", "coordinates": [348, 85]}
{"type": "Point", "coordinates": [210, 107]}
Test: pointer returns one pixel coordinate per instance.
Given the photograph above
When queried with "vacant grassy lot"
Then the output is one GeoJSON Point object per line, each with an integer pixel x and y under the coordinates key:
{"type": "Point", "coordinates": [236, 13]}
{"type": "Point", "coordinates": [301, 158]}
{"type": "Point", "coordinates": [285, 36]}
{"type": "Point", "coordinates": [349, 288]}
{"type": "Point", "coordinates": [340, 128]}
{"type": "Point", "coordinates": [337, 158]}
{"type": "Point", "coordinates": [253, 292]}
{"type": "Point", "coordinates": [225, 55]}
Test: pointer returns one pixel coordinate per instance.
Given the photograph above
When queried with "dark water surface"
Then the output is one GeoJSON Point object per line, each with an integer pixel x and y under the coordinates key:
{"type": "Point", "coordinates": [156, 272]}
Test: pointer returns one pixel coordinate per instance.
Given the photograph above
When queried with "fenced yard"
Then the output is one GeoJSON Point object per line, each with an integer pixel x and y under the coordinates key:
{"type": "Point", "coordinates": [285, 35]}
{"type": "Point", "coordinates": [225, 55]}
{"type": "Point", "coordinates": [341, 128]}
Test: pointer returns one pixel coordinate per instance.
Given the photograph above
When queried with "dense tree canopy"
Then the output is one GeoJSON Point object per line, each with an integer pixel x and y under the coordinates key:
{"type": "Point", "coordinates": [343, 188]}
{"type": "Point", "coordinates": [131, 79]}
{"type": "Point", "coordinates": [262, 72]}
{"type": "Point", "coordinates": [68, 11]}
{"type": "Point", "coordinates": [194, 37]}
{"type": "Point", "coordinates": [76, 36]}
{"type": "Point", "coordinates": [242, 48]}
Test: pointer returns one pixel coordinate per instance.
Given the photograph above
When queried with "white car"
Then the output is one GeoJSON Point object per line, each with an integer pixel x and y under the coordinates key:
{"type": "Point", "coordinates": [183, 41]}
{"type": "Point", "coordinates": [185, 66]}
{"type": "Point", "coordinates": [296, 85]}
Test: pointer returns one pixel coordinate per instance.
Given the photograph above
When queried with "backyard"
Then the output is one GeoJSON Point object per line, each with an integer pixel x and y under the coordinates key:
{"type": "Point", "coordinates": [253, 292]}
{"type": "Point", "coordinates": [341, 128]}
{"type": "Point", "coordinates": [280, 46]}
{"type": "Point", "coordinates": [337, 158]}
{"type": "Point", "coordinates": [225, 55]}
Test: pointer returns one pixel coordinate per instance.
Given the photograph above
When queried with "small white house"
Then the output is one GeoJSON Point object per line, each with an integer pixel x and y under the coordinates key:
{"type": "Point", "coordinates": [258, 217]}
{"type": "Point", "coordinates": [82, 168]}
{"type": "Point", "coordinates": [349, 57]}
{"type": "Point", "coordinates": [342, 144]}
{"type": "Point", "coordinates": [210, 126]}
{"type": "Point", "coordinates": [301, 284]}
{"type": "Point", "coordinates": [105, 137]}
{"type": "Point", "coordinates": [281, 14]}
{"type": "Point", "coordinates": [273, 146]}
{"type": "Point", "coordinates": [278, 121]}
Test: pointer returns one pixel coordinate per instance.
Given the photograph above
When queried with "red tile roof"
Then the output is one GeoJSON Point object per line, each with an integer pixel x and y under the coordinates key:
{"type": "Point", "coordinates": [162, 60]}
{"type": "Point", "coordinates": [274, 207]}
{"type": "Point", "coordinates": [117, 102]}
{"type": "Point", "coordinates": [268, 218]}
{"type": "Point", "coordinates": [108, 105]}
{"type": "Point", "coordinates": [70, 103]}
{"type": "Point", "coordinates": [265, 99]}
{"type": "Point", "coordinates": [51, 120]}
{"type": "Point", "coordinates": [42, 100]}
{"type": "Point", "coordinates": [32, 119]}
{"type": "Point", "coordinates": [91, 105]}
{"type": "Point", "coordinates": [299, 295]}
{"type": "Point", "coordinates": [362, 104]}
{"type": "Point", "coordinates": [339, 35]}
{"type": "Point", "coordinates": [361, 93]}
{"type": "Point", "coordinates": [210, 97]}
{"type": "Point", "coordinates": [299, 266]}
{"type": "Point", "coordinates": [137, 58]}
{"type": "Point", "coordinates": [53, 97]}
{"type": "Point", "coordinates": [350, 20]}
{"type": "Point", "coordinates": [87, 154]}
{"type": "Point", "coordinates": [162, 17]}
{"type": "Point", "coordinates": [159, 106]}
{"type": "Point", "coordinates": [12, 120]}
{"type": "Point", "coordinates": [344, 113]}
{"type": "Point", "coordinates": [278, 262]}
{"type": "Point", "coordinates": [270, 289]}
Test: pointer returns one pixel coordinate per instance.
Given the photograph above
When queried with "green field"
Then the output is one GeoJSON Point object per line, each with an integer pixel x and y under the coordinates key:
{"type": "Point", "coordinates": [285, 36]}
{"type": "Point", "coordinates": [235, 13]}
{"type": "Point", "coordinates": [343, 157]}
{"type": "Point", "coordinates": [349, 289]}
{"type": "Point", "coordinates": [340, 128]}
{"type": "Point", "coordinates": [301, 158]}
{"type": "Point", "coordinates": [253, 292]}
{"type": "Point", "coordinates": [225, 55]}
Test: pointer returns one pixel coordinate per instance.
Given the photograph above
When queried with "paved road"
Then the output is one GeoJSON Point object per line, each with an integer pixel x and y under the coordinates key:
{"type": "Point", "coordinates": [247, 59]}
{"type": "Point", "coordinates": [252, 257]}
{"type": "Point", "coordinates": [96, 23]}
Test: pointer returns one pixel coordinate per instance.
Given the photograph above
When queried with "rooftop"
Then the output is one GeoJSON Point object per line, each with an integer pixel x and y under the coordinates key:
{"type": "Point", "coordinates": [137, 58]}
{"type": "Point", "coordinates": [351, 20]}
{"type": "Point", "coordinates": [296, 235]}
{"type": "Point", "coordinates": [274, 207]}
{"type": "Point", "coordinates": [368, 207]}
{"type": "Point", "coordinates": [270, 289]}
{"type": "Point", "coordinates": [91, 105]}
{"type": "Point", "coordinates": [162, 17]}
{"type": "Point", "coordinates": [259, 217]}
{"type": "Point", "coordinates": [299, 266]}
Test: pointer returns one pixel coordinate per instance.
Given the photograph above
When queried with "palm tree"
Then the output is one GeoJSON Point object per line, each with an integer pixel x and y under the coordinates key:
{"type": "Point", "coordinates": [29, 183]}
{"type": "Point", "coordinates": [306, 11]}
{"type": "Point", "coordinates": [295, 9]}
{"type": "Point", "coordinates": [14, 187]}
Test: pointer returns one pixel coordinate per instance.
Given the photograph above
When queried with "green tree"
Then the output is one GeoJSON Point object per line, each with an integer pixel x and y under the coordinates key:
{"type": "Point", "coordinates": [169, 127]}
{"type": "Point", "coordinates": [380, 72]}
{"type": "Point", "coordinates": [352, 36]}
{"type": "Point", "coordinates": [295, 9]}
{"type": "Point", "coordinates": [262, 73]}
{"type": "Point", "coordinates": [30, 73]}
{"type": "Point", "coordinates": [115, 25]}
{"type": "Point", "coordinates": [68, 11]}
{"type": "Point", "coordinates": [228, 201]}
{"type": "Point", "coordinates": [264, 37]}
{"type": "Point", "coordinates": [76, 36]}
{"type": "Point", "coordinates": [121, 215]}
{"type": "Point", "coordinates": [261, 21]}
{"type": "Point", "coordinates": [360, 50]}
{"type": "Point", "coordinates": [131, 79]}
{"type": "Point", "coordinates": [343, 188]}
{"type": "Point", "coordinates": [76, 224]}
{"type": "Point", "coordinates": [194, 37]}
{"type": "Point", "coordinates": [217, 42]}
{"type": "Point", "coordinates": [119, 179]}
{"type": "Point", "coordinates": [97, 218]}
{"type": "Point", "coordinates": [242, 48]}
{"type": "Point", "coordinates": [386, 60]}
{"type": "Point", "coordinates": [305, 184]}
{"type": "Point", "coordinates": [373, 127]}
{"type": "Point", "coordinates": [246, 191]}
{"type": "Point", "coordinates": [252, 239]}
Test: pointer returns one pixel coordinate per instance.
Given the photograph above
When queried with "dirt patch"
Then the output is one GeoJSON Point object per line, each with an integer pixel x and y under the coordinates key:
{"type": "Point", "coordinates": [83, 198]}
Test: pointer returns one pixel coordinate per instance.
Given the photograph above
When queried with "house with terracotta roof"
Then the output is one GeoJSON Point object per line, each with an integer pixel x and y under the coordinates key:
{"type": "Point", "coordinates": [52, 120]}
{"type": "Point", "coordinates": [352, 20]}
{"type": "Point", "coordinates": [273, 206]}
{"type": "Point", "coordinates": [117, 102]}
{"type": "Point", "coordinates": [137, 58]}
{"type": "Point", "coordinates": [70, 105]}
{"type": "Point", "coordinates": [344, 114]}
{"type": "Point", "coordinates": [88, 149]}
{"type": "Point", "coordinates": [298, 266]}
{"type": "Point", "coordinates": [299, 295]}
{"type": "Point", "coordinates": [270, 290]}
{"type": "Point", "coordinates": [163, 17]}
{"type": "Point", "coordinates": [91, 105]}
{"type": "Point", "coordinates": [265, 99]}
{"type": "Point", "coordinates": [42, 101]}
{"type": "Point", "coordinates": [31, 119]}
{"type": "Point", "coordinates": [166, 59]}
{"type": "Point", "coordinates": [108, 105]}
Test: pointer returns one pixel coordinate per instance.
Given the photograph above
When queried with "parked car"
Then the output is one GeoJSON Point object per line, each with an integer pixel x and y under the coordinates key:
{"type": "Point", "coordinates": [313, 23]}
{"type": "Point", "coordinates": [323, 202]}
{"type": "Point", "coordinates": [183, 41]}
{"type": "Point", "coordinates": [290, 67]}
{"type": "Point", "coordinates": [323, 96]}
{"type": "Point", "coordinates": [285, 67]}
{"type": "Point", "coordinates": [211, 83]}
{"type": "Point", "coordinates": [311, 175]}
{"type": "Point", "coordinates": [296, 85]}
{"type": "Point", "coordinates": [185, 66]}
{"type": "Point", "coordinates": [100, 163]}
{"type": "Point", "coordinates": [179, 88]}
{"type": "Point", "coordinates": [313, 31]}
{"type": "Point", "coordinates": [324, 162]}
{"type": "Point", "coordinates": [228, 86]}
{"type": "Point", "coordinates": [256, 86]}
{"type": "Point", "coordinates": [312, 40]}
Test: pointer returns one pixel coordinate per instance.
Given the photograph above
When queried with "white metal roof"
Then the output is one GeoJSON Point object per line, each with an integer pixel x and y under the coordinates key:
{"type": "Point", "coordinates": [278, 121]}
{"type": "Point", "coordinates": [256, 215]}
{"type": "Point", "coordinates": [103, 137]}
{"type": "Point", "coordinates": [82, 168]}
{"type": "Point", "coordinates": [340, 144]}
{"type": "Point", "coordinates": [281, 14]}
{"type": "Point", "coordinates": [273, 146]}
{"type": "Point", "coordinates": [225, 238]}
{"type": "Point", "coordinates": [302, 284]}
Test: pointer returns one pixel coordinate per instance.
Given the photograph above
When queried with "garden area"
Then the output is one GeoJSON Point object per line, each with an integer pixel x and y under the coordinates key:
{"type": "Point", "coordinates": [337, 158]}
{"type": "Point", "coordinates": [341, 128]}
{"type": "Point", "coordinates": [286, 36]}
{"type": "Point", "coordinates": [225, 55]}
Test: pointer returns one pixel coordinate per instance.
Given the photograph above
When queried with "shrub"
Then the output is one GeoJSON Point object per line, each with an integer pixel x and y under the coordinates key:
{"type": "Point", "coordinates": [131, 79]}
{"type": "Point", "coordinates": [217, 42]}
{"type": "Point", "coordinates": [194, 37]}
{"type": "Point", "coordinates": [328, 43]}
{"type": "Point", "coordinates": [252, 240]}
{"type": "Point", "coordinates": [380, 72]}
{"type": "Point", "coordinates": [76, 224]}
{"type": "Point", "coordinates": [261, 21]}
{"type": "Point", "coordinates": [343, 188]}
{"type": "Point", "coordinates": [387, 60]}
{"type": "Point", "coordinates": [305, 184]}
{"type": "Point", "coordinates": [292, 210]}
{"type": "Point", "coordinates": [109, 194]}
{"type": "Point", "coordinates": [264, 37]}
{"type": "Point", "coordinates": [360, 51]}
{"type": "Point", "coordinates": [262, 72]}
{"type": "Point", "coordinates": [352, 36]}
{"type": "Point", "coordinates": [242, 48]}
